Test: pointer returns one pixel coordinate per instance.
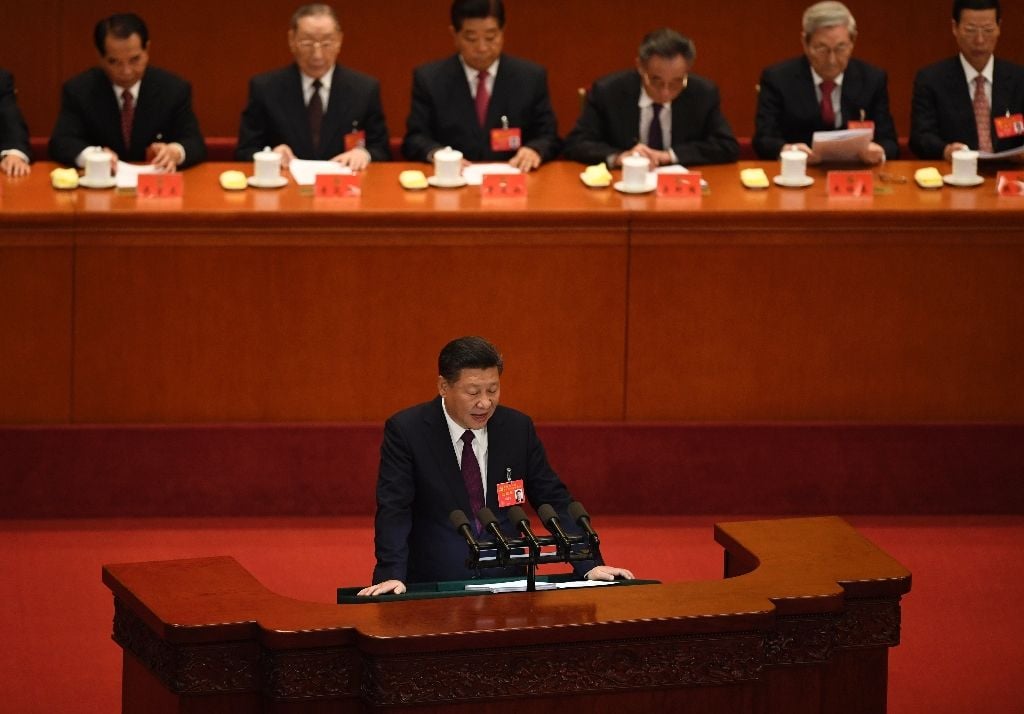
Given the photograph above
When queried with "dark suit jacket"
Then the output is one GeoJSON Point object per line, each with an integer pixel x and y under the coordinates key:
{"type": "Point", "coordinates": [420, 484]}
{"type": "Point", "coordinates": [89, 116]}
{"type": "Point", "coordinates": [788, 111]}
{"type": "Point", "coordinates": [276, 114]}
{"type": "Point", "coordinates": [13, 132]}
{"type": "Point", "coordinates": [443, 112]}
{"type": "Point", "coordinates": [942, 111]}
{"type": "Point", "coordinates": [610, 122]}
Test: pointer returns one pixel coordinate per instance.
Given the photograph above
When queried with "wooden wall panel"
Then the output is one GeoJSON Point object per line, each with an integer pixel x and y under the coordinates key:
{"type": "Point", "coordinates": [35, 330]}
{"type": "Point", "coordinates": [294, 333]}
{"type": "Point", "coordinates": [218, 46]}
{"type": "Point", "coordinates": [875, 331]}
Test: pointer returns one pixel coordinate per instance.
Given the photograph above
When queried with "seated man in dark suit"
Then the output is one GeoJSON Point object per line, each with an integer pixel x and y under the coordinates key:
{"type": "Point", "coordinates": [14, 148]}
{"type": "Point", "coordinates": [488, 105]}
{"type": "Point", "coordinates": [133, 111]}
{"type": "Point", "coordinates": [315, 108]}
{"type": "Point", "coordinates": [948, 111]}
{"type": "Point", "coordinates": [658, 110]}
{"type": "Point", "coordinates": [823, 90]}
{"type": "Point", "coordinates": [450, 453]}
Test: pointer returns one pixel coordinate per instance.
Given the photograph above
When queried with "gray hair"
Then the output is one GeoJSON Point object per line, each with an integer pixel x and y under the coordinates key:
{"type": "Point", "coordinates": [666, 43]}
{"type": "Point", "coordinates": [318, 8]}
{"type": "Point", "coordinates": [828, 14]}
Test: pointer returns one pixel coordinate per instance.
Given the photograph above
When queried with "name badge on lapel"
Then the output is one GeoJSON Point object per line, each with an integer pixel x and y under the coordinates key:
{"type": "Point", "coordinates": [506, 139]}
{"type": "Point", "coordinates": [1010, 125]}
{"type": "Point", "coordinates": [355, 139]}
{"type": "Point", "coordinates": [511, 493]}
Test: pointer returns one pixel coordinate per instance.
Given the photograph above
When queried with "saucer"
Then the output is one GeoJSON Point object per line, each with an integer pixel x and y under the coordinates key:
{"type": "Point", "coordinates": [621, 187]}
{"type": "Point", "coordinates": [449, 183]}
{"type": "Point", "coordinates": [97, 183]}
{"type": "Point", "coordinates": [276, 183]}
{"type": "Point", "coordinates": [802, 182]}
{"type": "Point", "coordinates": [970, 181]}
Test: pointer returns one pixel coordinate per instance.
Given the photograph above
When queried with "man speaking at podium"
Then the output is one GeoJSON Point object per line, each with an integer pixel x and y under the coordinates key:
{"type": "Point", "coordinates": [450, 453]}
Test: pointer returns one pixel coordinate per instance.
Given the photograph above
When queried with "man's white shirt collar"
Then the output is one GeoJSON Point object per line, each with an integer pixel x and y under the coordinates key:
{"type": "Point", "coordinates": [132, 90]}
{"type": "Point", "coordinates": [971, 73]}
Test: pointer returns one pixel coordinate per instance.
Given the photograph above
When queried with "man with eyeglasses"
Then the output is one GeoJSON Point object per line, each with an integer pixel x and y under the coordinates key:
{"type": "Point", "coordinates": [973, 100]}
{"type": "Point", "coordinates": [125, 107]}
{"type": "Point", "coordinates": [315, 108]}
{"type": "Point", "coordinates": [824, 89]}
{"type": "Point", "coordinates": [658, 109]}
{"type": "Point", "coordinates": [487, 104]}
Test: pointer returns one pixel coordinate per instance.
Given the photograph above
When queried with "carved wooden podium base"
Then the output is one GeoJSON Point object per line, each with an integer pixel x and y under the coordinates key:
{"type": "Point", "coordinates": [802, 623]}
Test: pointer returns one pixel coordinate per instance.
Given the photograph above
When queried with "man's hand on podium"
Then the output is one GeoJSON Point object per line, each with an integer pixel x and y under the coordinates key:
{"type": "Point", "coordinates": [607, 572]}
{"type": "Point", "coordinates": [388, 586]}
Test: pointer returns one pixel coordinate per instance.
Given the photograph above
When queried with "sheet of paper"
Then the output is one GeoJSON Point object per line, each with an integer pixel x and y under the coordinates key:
{"type": "Point", "coordinates": [674, 169]}
{"type": "Point", "coordinates": [305, 171]}
{"type": "Point", "coordinates": [841, 144]}
{"type": "Point", "coordinates": [474, 173]}
{"type": "Point", "coordinates": [518, 586]}
{"type": "Point", "coordinates": [990, 156]}
{"type": "Point", "coordinates": [127, 175]}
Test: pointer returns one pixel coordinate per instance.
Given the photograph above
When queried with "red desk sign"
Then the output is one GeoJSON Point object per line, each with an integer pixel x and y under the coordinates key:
{"type": "Point", "coordinates": [496, 185]}
{"type": "Point", "coordinates": [680, 185]}
{"type": "Point", "coordinates": [851, 184]}
{"type": "Point", "coordinates": [1010, 183]}
{"type": "Point", "coordinates": [337, 186]}
{"type": "Point", "coordinates": [160, 186]}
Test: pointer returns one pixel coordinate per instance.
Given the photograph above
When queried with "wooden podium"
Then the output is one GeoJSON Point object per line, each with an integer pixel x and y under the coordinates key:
{"type": "Point", "coordinates": [802, 622]}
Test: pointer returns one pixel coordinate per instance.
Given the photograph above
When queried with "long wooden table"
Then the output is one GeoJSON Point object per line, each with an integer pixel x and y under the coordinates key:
{"type": "Point", "coordinates": [274, 305]}
{"type": "Point", "coordinates": [802, 623]}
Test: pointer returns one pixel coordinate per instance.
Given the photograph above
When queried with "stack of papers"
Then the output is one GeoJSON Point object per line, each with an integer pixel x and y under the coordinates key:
{"type": "Point", "coordinates": [519, 586]}
{"type": "Point", "coordinates": [474, 173]}
{"type": "Point", "coordinates": [127, 175]}
{"type": "Point", "coordinates": [305, 172]}
{"type": "Point", "coordinates": [841, 144]}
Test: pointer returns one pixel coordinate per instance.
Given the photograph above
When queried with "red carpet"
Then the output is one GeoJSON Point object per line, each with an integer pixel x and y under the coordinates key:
{"type": "Point", "coordinates": [962, 624]}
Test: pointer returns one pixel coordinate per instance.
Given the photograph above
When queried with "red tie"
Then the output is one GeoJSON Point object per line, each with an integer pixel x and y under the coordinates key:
{"type": "Point", "coordinates": [127, 114]}
{"type": "Point", "coordinates": [828, 114]}
{"type": "Point", "coordinates": [482, 98]}
{"type": "Point", "coordinates": [982, 115]}
{"type": "Point", "coordinates": [471, 476]}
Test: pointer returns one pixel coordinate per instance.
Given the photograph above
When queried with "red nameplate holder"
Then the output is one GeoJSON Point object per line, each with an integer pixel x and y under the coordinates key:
{"type": "Point", "coordinates": [1010, 183]}
{"type": "Point", "coordinates": [337, 186]}
{"type": "Point", "coordinates": [160, 186]}
{"type": "Point", "coordinates": [680, 185]}
{"type": "Point", "coordinates": [355, 139]}
{"type": "Point", "coordinates": [851, 184]}
{"type": "Point", "coordinates": [511, 493]}
{"type": "Point", "coordinates": [506, 139]}
{"type": "Point", "coordinates": [1010, 125]}
{"type": "Point", "coordinates": [498, 185]}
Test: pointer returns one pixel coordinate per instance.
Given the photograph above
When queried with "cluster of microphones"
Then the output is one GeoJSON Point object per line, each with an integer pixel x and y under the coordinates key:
{"type": "Point", "coordinates": [528, 549]}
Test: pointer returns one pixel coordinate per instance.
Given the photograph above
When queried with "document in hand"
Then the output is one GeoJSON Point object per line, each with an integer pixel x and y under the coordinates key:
{"type": "Point", "coordinates": [841, 144]}
{"type": "Point", "coordinates": [995, 156]}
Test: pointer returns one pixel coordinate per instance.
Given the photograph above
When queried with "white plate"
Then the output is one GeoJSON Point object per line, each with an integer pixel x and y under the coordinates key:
{"type": "Point", "coordinates": [802, 182]}
{"type": "Point", "coordinates": [450, 183]}
{"type": "Point", "coordinates": [97, 183]}
{"type": "Point", "coordinates": [594, 185]}
{"type": "Point", "coordinates": [276, 183]}
{"type": "Point", "coordinates": [972, 181]}
{"type": "Point", "coordinates": [621, 187]}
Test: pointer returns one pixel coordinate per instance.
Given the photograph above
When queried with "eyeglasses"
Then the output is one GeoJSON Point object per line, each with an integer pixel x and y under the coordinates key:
{"type": "Point", "coordinates": [840, 50]}
{"type": "Point", "coordinates": [312, 45]}
{"type": "Point", "coordinates": [986, 30]}
{"type": "Point", "coordinates": [673, 85]}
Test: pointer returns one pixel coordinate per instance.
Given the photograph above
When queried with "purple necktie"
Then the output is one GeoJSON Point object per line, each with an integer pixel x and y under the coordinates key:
{"type": "Point", "coordinates": [654, 138]}
{"type": "Point", "coordinates": [471, 476]}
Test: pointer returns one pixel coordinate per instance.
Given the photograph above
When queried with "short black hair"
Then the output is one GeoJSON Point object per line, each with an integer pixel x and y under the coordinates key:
{"type": "Point", "coordinates": [477, 9]}
{"type": "Point", "coordinates": [666, 43]}
{"type": "Point", "coordinates": [467, 353]}
{"type": "Point", "coordinates": [960, 5]}
{"type": "Point", "coordinates": [122, 26]}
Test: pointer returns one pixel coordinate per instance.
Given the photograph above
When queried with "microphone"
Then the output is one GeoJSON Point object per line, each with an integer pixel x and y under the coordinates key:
{"type": "Point", "coordinates": [579, 514]}
{"type": "Point", "coordinates": [461, 524]}
{"type": "Point", "coordinates": [518, 516]}
{"type": "Point", "coordinates": [550, 520]}
{"type": "Point", "coordinates": [490, 522]}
